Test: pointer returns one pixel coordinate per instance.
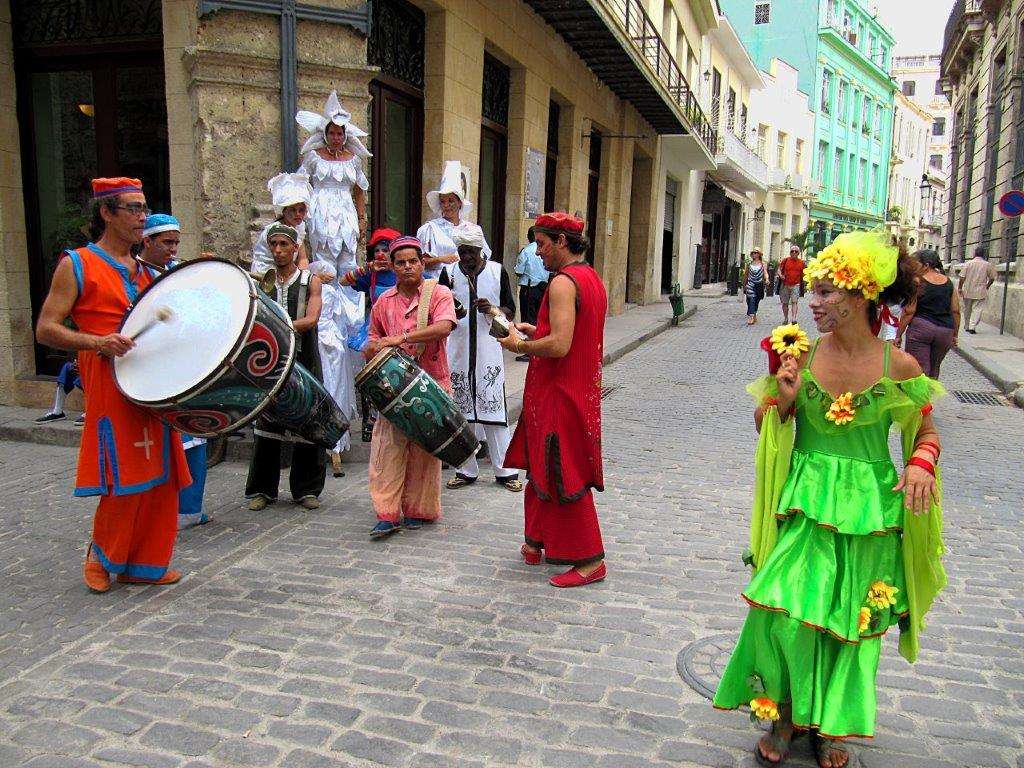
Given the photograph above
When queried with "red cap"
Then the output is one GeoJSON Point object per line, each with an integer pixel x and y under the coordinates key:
{"type": "Point", "coordinates": [560, 221]}
{"type": "Point", "coordinates": [115, 186]}
{"type": "Point", "coordinates": [384, 234]}
{"type": "Point", "coordinates": [405, 242]}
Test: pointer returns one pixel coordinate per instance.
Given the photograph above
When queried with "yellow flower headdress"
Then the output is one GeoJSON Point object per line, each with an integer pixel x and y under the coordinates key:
{"type": "Point", "coordinates": [856, 261]}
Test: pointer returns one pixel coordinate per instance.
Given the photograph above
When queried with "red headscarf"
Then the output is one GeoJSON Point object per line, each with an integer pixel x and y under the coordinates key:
{"type": "Point", "coordinates": [116, 186]}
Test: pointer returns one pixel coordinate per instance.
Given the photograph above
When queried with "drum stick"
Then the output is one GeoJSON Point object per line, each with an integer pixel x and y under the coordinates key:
{"type": "Point", "coordinates": [162, 315]}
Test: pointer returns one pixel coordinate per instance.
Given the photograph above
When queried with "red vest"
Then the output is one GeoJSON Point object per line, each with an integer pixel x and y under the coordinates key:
{"type": "Point", "coordinates": [558, 437]}
{"type": "Point", "coordinates": [124, 449]}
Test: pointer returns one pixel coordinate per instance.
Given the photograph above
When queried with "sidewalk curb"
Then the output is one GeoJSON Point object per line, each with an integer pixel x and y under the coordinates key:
{"type": "Point", "coordinates": [68, 436]}
{"type": "Point", "coordinates": [998, 374]}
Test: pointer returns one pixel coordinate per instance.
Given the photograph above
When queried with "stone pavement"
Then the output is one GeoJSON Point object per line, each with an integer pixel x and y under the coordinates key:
{"type": "Point", "coordinates": [1000, 357]}
{"type": "Point", "coordinates": [296, 641]}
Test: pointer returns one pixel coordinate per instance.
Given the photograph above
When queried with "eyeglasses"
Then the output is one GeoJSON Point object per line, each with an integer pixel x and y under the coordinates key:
{"type": "Point", "coordinates": [135, 209]}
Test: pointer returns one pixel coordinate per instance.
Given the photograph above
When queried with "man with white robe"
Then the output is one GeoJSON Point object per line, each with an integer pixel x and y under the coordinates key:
{"type": "Point", "coordinates": [449, 202]}
{"type": "Point", "coordinates": [477, 364]}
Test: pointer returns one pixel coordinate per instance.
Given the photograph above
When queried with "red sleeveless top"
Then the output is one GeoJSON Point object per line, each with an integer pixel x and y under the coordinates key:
{"type": "Point", "coordinates": [124, 449]}
{"type": "Point", "coordinates": [558, 437]}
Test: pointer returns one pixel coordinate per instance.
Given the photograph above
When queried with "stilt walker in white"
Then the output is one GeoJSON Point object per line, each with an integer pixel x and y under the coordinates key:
{"type": "Point", "coordinates": [478, 368]}
{"type": "Point", "coordinates": [450, 204]}
{"type": "Point", "coordinates": [333, 157]}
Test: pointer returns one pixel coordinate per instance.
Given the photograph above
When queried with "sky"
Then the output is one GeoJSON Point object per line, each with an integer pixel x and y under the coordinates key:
{"type": "Point", "coordinates": [917, 25]}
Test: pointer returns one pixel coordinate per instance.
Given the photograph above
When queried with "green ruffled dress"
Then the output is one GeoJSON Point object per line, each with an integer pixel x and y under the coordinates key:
{"type": "Point", "coordinates": [838, 531]}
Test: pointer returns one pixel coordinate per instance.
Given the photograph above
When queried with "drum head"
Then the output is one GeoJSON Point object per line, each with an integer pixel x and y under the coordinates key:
{"type": "Point", "coordinates": [210, 303]}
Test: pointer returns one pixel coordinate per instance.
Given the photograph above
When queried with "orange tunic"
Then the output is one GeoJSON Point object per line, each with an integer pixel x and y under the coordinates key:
{"type": "Point", "coordinates": [125, 450]}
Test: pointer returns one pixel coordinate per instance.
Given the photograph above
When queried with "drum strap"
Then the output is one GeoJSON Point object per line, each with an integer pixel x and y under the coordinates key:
{"type": "Point", "coordinates": [300, 310]}
{"type": "Point", "coordinates": [423, 311]}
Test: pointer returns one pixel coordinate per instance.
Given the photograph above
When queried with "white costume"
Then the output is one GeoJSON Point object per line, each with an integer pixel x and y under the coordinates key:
{"type": "Point", "coordinates": [285, 189]}
{"type": "Point", "coordinates": [475, 357]}
{"type": "Point", "coordinates": [334, 230]}
{"type": "Point", "coordinates": [334, 357]}
{"type": "Point", "coordinates": [436, 234]}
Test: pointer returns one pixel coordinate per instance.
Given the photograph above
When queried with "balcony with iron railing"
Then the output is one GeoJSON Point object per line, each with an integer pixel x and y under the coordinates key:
{"type": "Point", "coordinates": [620, 43]}
{"type": "Point", "coordinates": [845, 32]}
{"type": "Point", "coordinates": [739, 162]}
{"type": "Point", "coordinates": [785, 182]}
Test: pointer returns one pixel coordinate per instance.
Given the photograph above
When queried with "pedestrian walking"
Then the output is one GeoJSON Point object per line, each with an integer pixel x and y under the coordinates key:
{"type": "Point", "coordinates": [132, 461]}
{"type": "Point", "coordinates": [843, 546]}
{"type": "Point", "coordinates": [931, 319]}
{"type": "Point", "coordinates": [558, 437]}
{"type": "Point", "coordinates": [791, 277]}
{"type": "Point", "coordinates": [755, 281]}
{"type": "Point", "coordinates": [976, 278]}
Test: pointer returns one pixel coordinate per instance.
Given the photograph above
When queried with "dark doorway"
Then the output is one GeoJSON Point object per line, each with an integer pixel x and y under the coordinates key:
{"type": "Point", "coordinates": [551, 163]}
{"type": "Point", "coordinates": [668, 237]}
{"type": "Point", "coordinates": [88, 105]}
{"type": "Point", "coordinates": [397, 46]}
{"type": "Point", "coordinates": [593, 189]}
{"type": "Point", "coordinates": [493, 154]}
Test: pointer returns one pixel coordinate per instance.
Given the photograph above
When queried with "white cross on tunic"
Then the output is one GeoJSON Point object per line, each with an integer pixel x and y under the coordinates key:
{"type": "Point", "coordinates": [145, 442]}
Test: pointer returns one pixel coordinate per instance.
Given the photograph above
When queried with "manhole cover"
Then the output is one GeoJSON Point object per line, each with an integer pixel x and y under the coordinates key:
{"type": "Point", "coordinates": [978, 398]}
{"type": "Point", "coordinates": [702, 662]}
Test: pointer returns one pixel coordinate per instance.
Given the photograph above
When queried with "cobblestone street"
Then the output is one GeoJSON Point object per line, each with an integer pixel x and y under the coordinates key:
{"type": "Point", "coordinates": [296, 641]}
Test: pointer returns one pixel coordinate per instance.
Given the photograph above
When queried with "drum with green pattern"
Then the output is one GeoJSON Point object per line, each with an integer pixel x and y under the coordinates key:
{"type": "Point", "coordinates": [410, 399]}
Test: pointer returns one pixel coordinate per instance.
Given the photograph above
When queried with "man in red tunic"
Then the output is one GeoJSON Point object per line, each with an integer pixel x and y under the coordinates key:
{"type": "Point", "coordinates": [128, 458]}
{"type": "Point", "coordinates": [558, 437]}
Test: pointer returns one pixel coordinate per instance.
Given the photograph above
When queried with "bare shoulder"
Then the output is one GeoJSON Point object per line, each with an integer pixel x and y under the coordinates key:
{"type": "Point", "coordinates": [562, 285]}
{"type": "Point", "coordinates": [903, 366]}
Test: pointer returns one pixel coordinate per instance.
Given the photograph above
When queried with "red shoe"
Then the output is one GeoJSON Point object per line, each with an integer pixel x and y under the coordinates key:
{"type": "Point", "coordinates": [171, 577]}
{"type": "Point", "coordinates": [529, 556]}
{"type": "Point", "coordinates": [573, 578]}
{"type": "Point", "coordinates": [96, 577]}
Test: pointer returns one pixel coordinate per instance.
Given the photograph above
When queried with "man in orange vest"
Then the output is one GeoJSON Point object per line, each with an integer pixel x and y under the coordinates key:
{"type": "Point", "coordinates": [128, 458]}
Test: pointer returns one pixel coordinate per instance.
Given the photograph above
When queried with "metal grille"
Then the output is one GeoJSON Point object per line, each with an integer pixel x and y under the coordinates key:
{"type": "Point", "coordinates": [762, 13]}
{"type": "Point", "coordinates": [397, 41]}
{"type": "Point", "coordinates": [495, 90]}
{"type": "Point", "coordinates": [47, 22]}
{"type": "Point", "coordinates": [700, 664]}
{"type": "Point", "coordinates": [978, 398]}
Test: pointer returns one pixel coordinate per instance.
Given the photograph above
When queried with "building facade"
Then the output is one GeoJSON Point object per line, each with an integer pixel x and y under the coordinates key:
{"type": "Point", "coordinates": [919, 79]}
{"type": "Point", "coordinates": [784, 125]}
{"type": "Point", "coordinates": [197, 98]}
{"type": "Point", "coordinates": [982, 68]}
{"type": "Point", "coordinates": [842, 55]}
{"type": "Point", "coordinates": [909, 186]}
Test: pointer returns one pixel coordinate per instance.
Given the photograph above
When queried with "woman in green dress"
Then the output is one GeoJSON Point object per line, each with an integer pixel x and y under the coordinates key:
{"type": "Point", "coordinates": [843, 546]}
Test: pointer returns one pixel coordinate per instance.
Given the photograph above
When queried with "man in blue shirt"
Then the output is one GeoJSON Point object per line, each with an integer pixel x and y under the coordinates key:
{"type": "Point", "coordinates": [533, 281]}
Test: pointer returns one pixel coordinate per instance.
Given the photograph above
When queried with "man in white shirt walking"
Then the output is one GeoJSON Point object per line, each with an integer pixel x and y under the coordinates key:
{"type": "Point", "coordinates": [976, 278]}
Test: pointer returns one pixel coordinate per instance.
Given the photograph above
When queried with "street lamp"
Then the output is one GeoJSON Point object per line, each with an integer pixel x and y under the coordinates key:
{"type": "Point", "coordinates": [759, 213]}
{"type": "Point", "coordinates": [926, 191]}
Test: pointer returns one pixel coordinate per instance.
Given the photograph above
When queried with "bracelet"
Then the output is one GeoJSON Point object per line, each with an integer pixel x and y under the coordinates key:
{"type": "Point", "coordinates": [929, 444]}
{"type": "Point", "coordinates": [519, 345]}
{"type": "Point", "coordinates": [927, 466]}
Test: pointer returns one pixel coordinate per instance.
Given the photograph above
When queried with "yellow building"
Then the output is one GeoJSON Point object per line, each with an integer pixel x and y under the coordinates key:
{"type": "Point", "coordinates": [982, 57]}
{"type": "Point", "coordinates": [582, 105]}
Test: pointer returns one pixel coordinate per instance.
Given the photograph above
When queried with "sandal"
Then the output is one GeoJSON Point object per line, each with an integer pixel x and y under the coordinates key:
{"type": "Point", "coordinates": [829, 748]}
{"type": "Point", "coordinates": [513, 484]}
{"type": "Point", "coordinates": [459, 482]}
{"type": "Point", "coordinates": [779, 744]}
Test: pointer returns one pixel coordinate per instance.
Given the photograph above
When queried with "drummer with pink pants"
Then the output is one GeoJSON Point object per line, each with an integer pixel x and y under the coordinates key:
{"type": "Point", "coordinates": [405, 480]}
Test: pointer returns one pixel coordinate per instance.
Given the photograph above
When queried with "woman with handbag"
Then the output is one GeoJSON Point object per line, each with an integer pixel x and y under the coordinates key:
{"type": "Point", "coordinates": [755, 281]}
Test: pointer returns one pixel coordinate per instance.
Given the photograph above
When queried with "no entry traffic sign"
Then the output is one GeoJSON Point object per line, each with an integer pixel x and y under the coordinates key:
{"type": "Point", "coordinates": [1012, 203]}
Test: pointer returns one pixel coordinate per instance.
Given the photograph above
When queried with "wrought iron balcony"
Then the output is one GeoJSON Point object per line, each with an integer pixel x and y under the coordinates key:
{"type": "Point", "coordinates": [796, 184]}
{"type": "Point", "coordinates": [621, 45]}
{"type": "Point", "coordinates": [739, 163]}
{"type": "Point", "coordinates": [849, 34]}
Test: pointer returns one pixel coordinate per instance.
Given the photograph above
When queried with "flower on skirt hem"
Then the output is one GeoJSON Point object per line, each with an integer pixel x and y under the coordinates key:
{"type": "Point", "coordinates": [789, 340]}
{"type": "Point", "coordinates": [864, 620]}
{"type": "Point", "coordinates": [763, 708]}
{"type": "Point", "coordinates": [841, 411]}
{"type": "Point", "coordinates": [881, 595]}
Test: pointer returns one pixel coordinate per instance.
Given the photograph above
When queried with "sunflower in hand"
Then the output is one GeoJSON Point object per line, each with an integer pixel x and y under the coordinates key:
{"type": "Point", "coordinates": [789, 340]}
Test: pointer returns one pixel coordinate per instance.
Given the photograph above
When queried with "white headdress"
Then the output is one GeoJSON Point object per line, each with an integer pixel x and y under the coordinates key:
{"type": "Point", "coordinates": [454, 181]}
{"type": "Point", "coordinates": [333, 113]}
{"type": "Point", "coordinates": [468, 233]}
{"type": "Point", "coordinates": [289, 189]}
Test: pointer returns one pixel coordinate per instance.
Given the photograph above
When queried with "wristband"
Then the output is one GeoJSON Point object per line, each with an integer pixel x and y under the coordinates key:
{"type": "Point", "coordinates": [929, 444]}
{"type": "Point", "coordinates": [927, 409]}
{"type": "Point", "coordinates": [927, 466]}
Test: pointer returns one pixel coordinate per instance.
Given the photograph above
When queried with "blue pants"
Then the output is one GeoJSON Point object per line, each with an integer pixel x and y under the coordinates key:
{"type": "Point", "coordinates": [190, 499]}
{"type": "Point", "coordinates": [752, 304]}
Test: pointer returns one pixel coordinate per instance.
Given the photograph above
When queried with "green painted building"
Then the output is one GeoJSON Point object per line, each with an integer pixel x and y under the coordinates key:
{"type": "Point", "coordinates": [843, 56]}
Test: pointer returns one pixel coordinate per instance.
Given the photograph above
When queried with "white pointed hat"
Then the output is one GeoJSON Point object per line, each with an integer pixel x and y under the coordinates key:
{"type": "Point", "coordinates": [333, 113]}
{"type": "Point", "coordinates": [454, 181]}
{"type": "Point", "coordinates": [289, 189]}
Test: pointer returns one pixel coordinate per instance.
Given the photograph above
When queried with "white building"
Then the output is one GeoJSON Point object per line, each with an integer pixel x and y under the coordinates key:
{"type": "Point", "coordinates": [910, 132]}
{"type": "Point", "coordinates": [918, 78]}
{"type": "Point", "coordinates": [784, 133]}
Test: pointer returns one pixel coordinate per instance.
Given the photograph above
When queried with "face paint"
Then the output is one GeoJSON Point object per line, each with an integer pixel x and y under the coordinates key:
{"type": "Point", "coordinates": [829, 305]}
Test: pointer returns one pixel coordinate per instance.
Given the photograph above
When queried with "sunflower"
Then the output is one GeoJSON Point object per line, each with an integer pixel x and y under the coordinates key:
{"type": "Point", "coordinates": [864, 620]}
{"type": "Point", "coordinates": [841, 411]}
{"type": "Point", "coordinates": [881, 595]}
{"type": "Point", "coordinates": [764, 708]}
{"type": "Point", "coordinates": [790, 340]}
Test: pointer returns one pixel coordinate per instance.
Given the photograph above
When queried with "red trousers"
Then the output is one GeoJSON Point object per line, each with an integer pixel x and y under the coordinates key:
{"type": "Point", "coordinates": [569, 533]}
{"type": "Point", "coordinates": [135, 534]}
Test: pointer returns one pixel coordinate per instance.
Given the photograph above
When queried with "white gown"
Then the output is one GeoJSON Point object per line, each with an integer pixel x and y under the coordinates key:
{"type": "Point", "coordinates": [333, 227]}
{"type": "Point", "coordinates": [334, 357]}
{"type": "Point", "coordinates": [436, 236]}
